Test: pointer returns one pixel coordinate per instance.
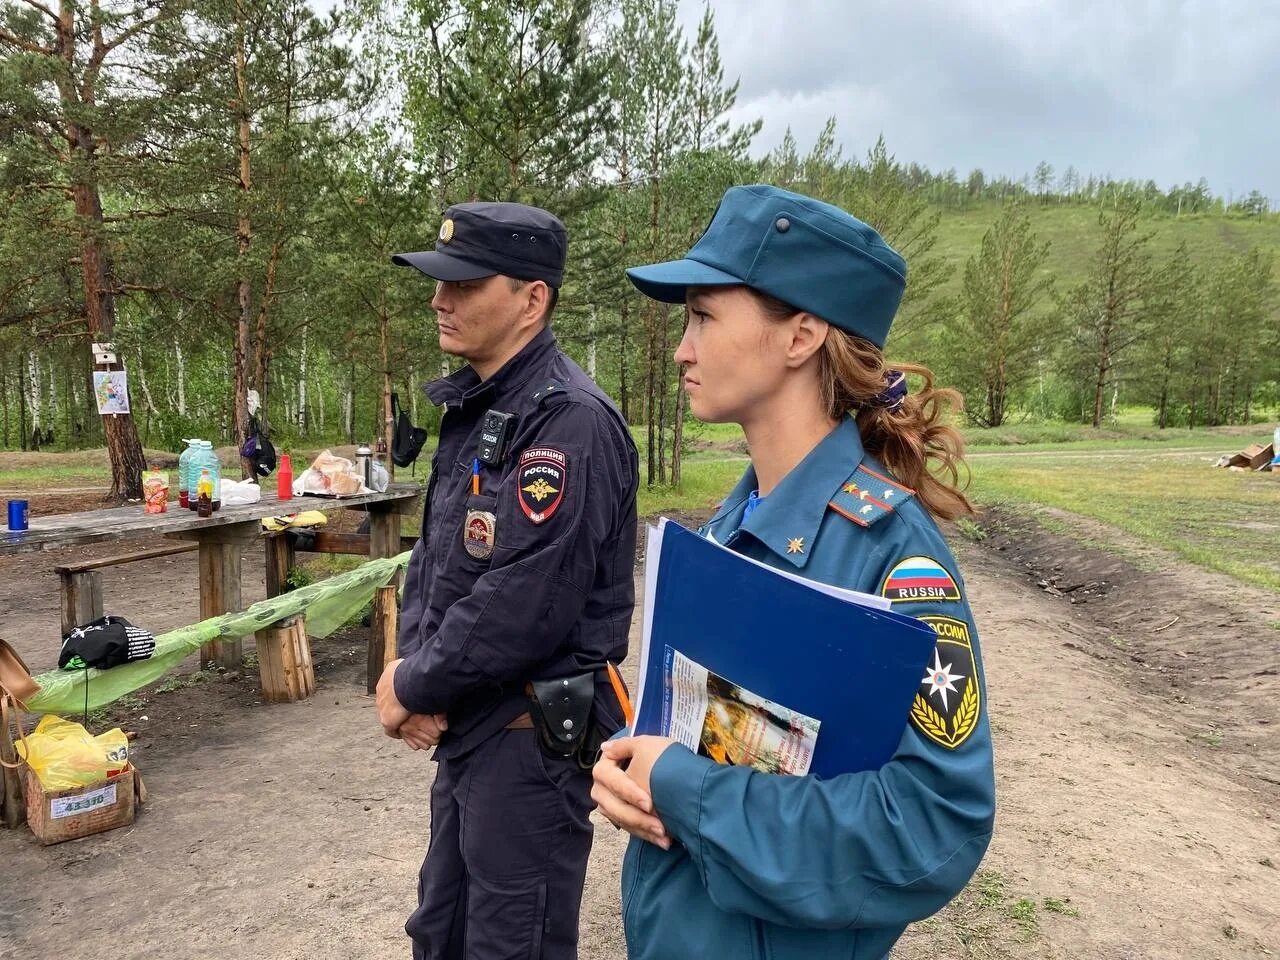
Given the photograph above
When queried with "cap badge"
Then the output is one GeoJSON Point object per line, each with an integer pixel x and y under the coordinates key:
{"type": "Point", "coordinates": [446, 231]}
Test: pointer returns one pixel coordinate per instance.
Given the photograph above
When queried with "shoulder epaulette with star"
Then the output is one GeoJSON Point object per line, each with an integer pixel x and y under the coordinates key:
{"type": "Point", "coordinates": [868, 496]}
{"type": "Point", "coordinates": [548, 389]}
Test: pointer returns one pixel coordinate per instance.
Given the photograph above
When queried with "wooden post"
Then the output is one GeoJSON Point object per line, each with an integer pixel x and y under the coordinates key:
{"type": "Point", "coordinates": [382, 632]}
{"type": "Point", "coordinates": [13, 809]}
{"type": "Point", "coordinates": [81, 598]}
{"type": "Point", "coordinates": [284, 662]}
{"type": "Point", "coordinates": [280, 560]}
{"type": "Point", "coordinates": [219, 594]}
{"type": "Point", "coordinates": [384, 541]}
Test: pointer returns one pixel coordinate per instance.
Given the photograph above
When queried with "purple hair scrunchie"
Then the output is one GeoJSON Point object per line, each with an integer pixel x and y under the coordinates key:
{"type": "Point", "coordinates": [894, 392]}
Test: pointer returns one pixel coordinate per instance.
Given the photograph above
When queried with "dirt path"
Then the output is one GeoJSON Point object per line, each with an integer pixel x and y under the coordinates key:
{"type": "Point", "coordinates": [1139, 805]}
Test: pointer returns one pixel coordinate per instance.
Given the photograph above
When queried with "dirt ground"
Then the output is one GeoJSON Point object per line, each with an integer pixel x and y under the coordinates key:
{"type": "Point", "coordinates": [1133, 700]}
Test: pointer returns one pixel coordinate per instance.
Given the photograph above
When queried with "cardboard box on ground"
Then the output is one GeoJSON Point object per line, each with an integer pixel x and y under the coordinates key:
{"type": "Point", "coordinates": [1256, 456]}
{"type": "Point", "coordinates": [58, 815]}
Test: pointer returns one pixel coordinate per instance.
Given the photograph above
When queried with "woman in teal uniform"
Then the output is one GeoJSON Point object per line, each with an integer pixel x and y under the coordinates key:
{"type": "Point", "coordinates": [789, 303]}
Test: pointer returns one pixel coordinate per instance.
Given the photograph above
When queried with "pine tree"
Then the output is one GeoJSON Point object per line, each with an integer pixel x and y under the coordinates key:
{"type": "Point", "coordinates": [80, 100]}
{"type": "Point", "coordinates": [269, 82]}
{"type": "Point", "coordinates": [996, 334]}
{"type": "Point", "coordinates": [1108, 312]}
{"type": "Point", "coordinates": [1164, 359]}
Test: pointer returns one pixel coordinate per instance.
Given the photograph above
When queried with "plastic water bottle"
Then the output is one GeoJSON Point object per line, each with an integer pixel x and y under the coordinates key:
{"type": "Point", "coordinates": [214, 467]}
{"type": "Point", "coordinates": [203, 458]}
{"type": "Point", "coordinates": [184, 470]}
{"type": "Point", "coordinates": [204, 494]}
{"type": "Point", "coordinates": [192, 472]}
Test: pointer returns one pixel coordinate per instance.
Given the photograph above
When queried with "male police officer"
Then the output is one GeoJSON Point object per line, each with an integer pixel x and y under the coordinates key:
{"type": "Point", "coordinates": [516, 597]}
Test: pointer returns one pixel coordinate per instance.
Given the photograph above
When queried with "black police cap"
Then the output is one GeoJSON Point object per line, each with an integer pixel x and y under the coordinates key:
{"type": "Point", "coordinates": [484, 239]}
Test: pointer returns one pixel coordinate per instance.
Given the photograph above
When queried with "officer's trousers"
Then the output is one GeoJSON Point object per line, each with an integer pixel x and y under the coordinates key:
{"type": "Point", "coordinates": [510, 837]}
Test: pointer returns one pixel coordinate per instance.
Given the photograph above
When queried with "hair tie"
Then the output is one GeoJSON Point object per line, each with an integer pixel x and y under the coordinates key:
{"type": "Point", "coordinates": [894, 392]}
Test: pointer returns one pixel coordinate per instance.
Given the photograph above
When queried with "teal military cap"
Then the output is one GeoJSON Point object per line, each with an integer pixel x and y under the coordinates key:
{"type": "Point", "coordinates": [807, 253]}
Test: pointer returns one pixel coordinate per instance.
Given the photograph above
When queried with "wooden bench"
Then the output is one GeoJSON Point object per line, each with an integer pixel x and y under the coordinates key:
{"type": "Point", "coordinates": [82, 582]}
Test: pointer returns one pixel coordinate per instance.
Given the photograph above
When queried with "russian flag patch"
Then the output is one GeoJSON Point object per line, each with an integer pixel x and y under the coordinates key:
{"type": "Point", "coordinates": [919, 579]}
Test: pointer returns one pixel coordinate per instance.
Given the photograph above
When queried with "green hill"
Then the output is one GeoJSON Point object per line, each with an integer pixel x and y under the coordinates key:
{"type": "Point", "coordinates": [1072, 232]}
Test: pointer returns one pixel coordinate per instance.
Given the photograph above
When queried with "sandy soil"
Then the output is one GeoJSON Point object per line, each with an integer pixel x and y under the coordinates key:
{"type": "Point", "coordinates": [1133, 699]}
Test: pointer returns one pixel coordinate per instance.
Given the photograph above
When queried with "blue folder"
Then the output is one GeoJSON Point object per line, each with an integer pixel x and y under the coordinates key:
{"type": "Point", "coordinates": [853, 668]}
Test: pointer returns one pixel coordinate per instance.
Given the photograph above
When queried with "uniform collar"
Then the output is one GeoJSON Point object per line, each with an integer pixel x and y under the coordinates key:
{"type": "Point", "coordinates": [787, 520]}
{"type": "Point", "coordinates": [464, 387]}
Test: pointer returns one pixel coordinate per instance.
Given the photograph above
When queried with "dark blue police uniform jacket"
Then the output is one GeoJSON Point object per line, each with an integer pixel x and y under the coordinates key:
{"type": "Point", "coordinates": [545, 589]}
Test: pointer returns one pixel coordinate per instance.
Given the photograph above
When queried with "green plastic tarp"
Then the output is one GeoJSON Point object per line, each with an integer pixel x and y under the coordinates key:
{"type": "Point", "coordinates": [327, 605]}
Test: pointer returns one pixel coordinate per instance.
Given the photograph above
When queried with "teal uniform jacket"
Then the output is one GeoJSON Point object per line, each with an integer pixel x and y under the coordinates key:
{"type": "Point", "coordinates": [804, 868]}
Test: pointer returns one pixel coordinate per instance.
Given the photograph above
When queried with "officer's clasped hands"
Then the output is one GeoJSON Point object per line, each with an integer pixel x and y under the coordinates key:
{"type": "Point", "coordinates": [417, 730]}
{"type": "Point", "coordinates": [391, 713]}
{"type": "Point", "coordinates": [423, 730]}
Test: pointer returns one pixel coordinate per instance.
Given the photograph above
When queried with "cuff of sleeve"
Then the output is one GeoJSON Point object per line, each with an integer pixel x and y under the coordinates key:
{"type": "Point", "coordinates": [676, 786]}
{"type": "Point", "coordinates": [402, 683]}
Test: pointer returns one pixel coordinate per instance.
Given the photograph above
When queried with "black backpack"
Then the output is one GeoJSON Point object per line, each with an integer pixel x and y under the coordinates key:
{"type": "Point", "coordinates": [106, 642]}
{"type": "Point", "coordinates": [258, 450]}
{"type": "Point", "coordinates": [408, 440]}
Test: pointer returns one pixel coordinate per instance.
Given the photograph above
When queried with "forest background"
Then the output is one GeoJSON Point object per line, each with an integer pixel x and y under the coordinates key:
{"type": "Point", "coordinates": [217, 186]}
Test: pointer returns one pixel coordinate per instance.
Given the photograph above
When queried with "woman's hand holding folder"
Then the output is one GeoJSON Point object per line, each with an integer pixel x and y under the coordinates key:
{"type": "Point", "coordinates": [623, 794]}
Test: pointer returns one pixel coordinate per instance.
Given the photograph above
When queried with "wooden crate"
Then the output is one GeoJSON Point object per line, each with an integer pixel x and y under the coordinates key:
{"type": "Point", "coordinates": [58, 815]}
{"type": "Point", "coordinates": [284, 661]}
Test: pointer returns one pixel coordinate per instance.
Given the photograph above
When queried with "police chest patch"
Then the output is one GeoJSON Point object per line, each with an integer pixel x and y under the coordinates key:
{"type": "Point", "coordinates": [479, 534]}
{"type": "Point", "coordinates": [949, 701]}
{"type": "Point", "coordinates": [918, 580]}
{"type": "Point", "coordinates": [540, 482]}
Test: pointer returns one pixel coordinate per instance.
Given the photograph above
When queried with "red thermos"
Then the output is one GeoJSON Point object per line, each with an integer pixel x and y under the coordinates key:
{"type": "Point", "coordinates": [284, 478]}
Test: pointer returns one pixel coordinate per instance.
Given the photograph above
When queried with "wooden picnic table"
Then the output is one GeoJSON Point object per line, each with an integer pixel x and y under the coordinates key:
{"type": "Point", "coordinates": [220, 541]}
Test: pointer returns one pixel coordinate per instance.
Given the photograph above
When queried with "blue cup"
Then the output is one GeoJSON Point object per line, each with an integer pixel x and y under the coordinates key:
{"type": "Point", "coordinates": [18, 514]}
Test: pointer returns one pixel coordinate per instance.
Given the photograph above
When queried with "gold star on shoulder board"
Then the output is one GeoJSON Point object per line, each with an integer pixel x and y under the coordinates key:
{"type": "Point", "coordinates": [851, 489]}
{"type": "Point", "coordinates": [795, 545]}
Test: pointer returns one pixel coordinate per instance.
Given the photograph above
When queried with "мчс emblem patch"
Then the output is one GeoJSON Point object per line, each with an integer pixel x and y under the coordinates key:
{"type": "Point", "coordinates": [919, 579]}
{"type": "Point", "coordinates": [540, 482]}
{"type": "Point", "coordinates": [949, 701]}
{"type": "Point", "coordinates": [479, 534]}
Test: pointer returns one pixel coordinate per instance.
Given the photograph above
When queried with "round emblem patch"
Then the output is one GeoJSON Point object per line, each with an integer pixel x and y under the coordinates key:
{"type": "Point", "coordinates": [479, 533]}
{"type": "Point", "coordinates": [446, 231]}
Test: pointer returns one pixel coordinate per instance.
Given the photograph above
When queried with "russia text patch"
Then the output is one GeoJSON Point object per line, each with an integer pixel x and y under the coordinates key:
{"type": "Point", "coordinates": [919, 579]}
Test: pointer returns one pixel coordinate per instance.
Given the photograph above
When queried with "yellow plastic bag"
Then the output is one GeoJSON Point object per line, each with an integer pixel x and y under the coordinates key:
{"type": "Point", "coordinates": [64, 755]}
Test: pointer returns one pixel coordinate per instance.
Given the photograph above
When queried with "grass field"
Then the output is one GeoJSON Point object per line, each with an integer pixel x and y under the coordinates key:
{"type": "Point", "coordinates": [1218, 519]}
{"type": "Point", "coordinates": [1073, 236]}
{"type": "Point", "coordinates": [1157, 486]}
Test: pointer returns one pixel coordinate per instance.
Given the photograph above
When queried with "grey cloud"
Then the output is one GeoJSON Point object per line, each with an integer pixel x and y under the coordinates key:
{"type": "Point", "coordinates": [1170, 91]}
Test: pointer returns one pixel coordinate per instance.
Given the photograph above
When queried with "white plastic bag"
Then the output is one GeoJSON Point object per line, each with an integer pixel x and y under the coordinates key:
{"type": "Point", "coordinates": [330, 476]}
{"type": "Point", "coordinates": [381, 479]}
{"type": "Point", "coordinates": [237, 493]}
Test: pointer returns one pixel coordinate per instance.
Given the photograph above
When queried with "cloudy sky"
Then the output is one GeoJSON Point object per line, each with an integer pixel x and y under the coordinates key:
{"type": "Point", "coordinates": [1159, 89]}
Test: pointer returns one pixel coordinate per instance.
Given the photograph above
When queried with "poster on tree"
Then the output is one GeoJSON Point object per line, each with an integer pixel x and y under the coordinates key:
{"type": "Point", "coordinates": [112, 391]}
